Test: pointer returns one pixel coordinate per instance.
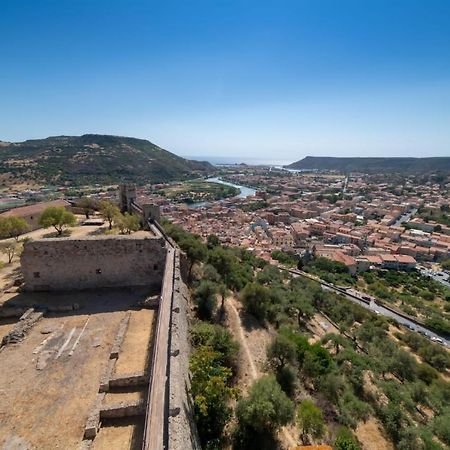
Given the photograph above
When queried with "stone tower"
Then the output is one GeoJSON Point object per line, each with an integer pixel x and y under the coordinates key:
{"type": "Point", "coordinates": [127, 196]}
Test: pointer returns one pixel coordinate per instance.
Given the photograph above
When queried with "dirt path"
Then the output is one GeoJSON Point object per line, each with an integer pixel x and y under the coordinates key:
{"type": "Point", "coordinates": [253, 344]}
{"type": "Point", "coordinates": [243, 342]}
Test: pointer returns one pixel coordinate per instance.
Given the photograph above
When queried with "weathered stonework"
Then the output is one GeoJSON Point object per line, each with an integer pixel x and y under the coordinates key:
{"type": "Point", "coordinates": [182, 429]}
{"type": "Point", "coordinates": [93, 262]}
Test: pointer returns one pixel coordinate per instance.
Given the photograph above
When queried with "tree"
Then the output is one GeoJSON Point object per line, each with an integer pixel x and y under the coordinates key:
{"type": "Point", "coordinates": [223, 291]}
{"type": "Point", "coordinates": [255, 299]}
{"type": "Point", "coordinates": [317, 361]}
{"type": "Point", "coordinates": [88, 205]}
{"type": "Point", "coordinates": [264, 410]}
{"type": "Point", "coordinates": [217, 337]}
{"type": "Point", "coordinates": [205, 297]}
{"type": "Point", "coordinates": [210, 273]}
{"type": "Point", "coordinates": [57, 217]}
{"type": "Point", "coordinates": [128, 222]}
{"type": "Point", "coordinates": [13, 227]}
{"type": "Point", "coordinates": [211, 394]}
{"type": "Point", "coordinates": [281, 351]}
{"type": "Point", "coordinates": [9, 249]}
{"type": "Point", "coordinates": [212, 241]}
{"type": "Point", "coordinates": [304, 310]}
{"type": "Point", "coordinates": [227, 265]}
{"type": "Point", "coordinates": [403, 365]}
{"type": "Point", "coordinates": [109, 211]}
{"type": "Point", "coordinates": [195, 251]}
{"type": "Point", "coordinates": [337, 340]}
{"type": "Point", "coordinates": [393, 420]}
{"type": "Point", "coordinates": [310, 420]}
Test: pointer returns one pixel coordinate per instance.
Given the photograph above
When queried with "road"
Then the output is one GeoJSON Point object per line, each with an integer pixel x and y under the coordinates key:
{"type": "Point", "coordinates": [440, 277]}
{"type": "Point", "coordinates": [405, 217]}
{"type": "Point", "coordinates": [356, 297]}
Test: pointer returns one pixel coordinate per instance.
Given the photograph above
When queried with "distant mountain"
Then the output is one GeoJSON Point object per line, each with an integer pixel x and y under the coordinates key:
{"type": "Point", "coordinates": [370, 165]}
{"type": "Point", "coordinates": [92, 158]}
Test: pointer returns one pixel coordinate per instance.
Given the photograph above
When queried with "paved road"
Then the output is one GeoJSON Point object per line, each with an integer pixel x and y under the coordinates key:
{"type": "Point", "coordinates": [440, 277]}
{"type": "Point", "coordinates": [404, 218]}
{"type": "Point", "coordinates": [356, 297]}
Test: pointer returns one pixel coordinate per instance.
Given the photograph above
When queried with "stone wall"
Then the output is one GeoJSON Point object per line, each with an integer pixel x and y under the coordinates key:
{"type": "Point", "coordinates": [182, 429]}
{"type": "Point", "coordinates": [93, 262]}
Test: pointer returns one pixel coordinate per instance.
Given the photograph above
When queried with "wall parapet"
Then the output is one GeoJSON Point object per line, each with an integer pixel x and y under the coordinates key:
{"type": "Point", "coordinates": [93, 262]}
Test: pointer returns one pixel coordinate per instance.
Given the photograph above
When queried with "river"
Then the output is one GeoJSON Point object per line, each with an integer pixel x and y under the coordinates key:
{"type": "Point", "coordinates": [244, 192]}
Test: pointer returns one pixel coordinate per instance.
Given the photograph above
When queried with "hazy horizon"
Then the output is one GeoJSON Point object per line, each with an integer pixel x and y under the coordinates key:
{"type": "Point", "coordinates": [254, 79]}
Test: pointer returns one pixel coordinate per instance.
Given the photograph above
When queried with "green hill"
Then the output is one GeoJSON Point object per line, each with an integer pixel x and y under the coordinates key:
{"type": "Point", "coordinates": [91, 158]}
{"type": "Point", "coordinates": [371, 165]}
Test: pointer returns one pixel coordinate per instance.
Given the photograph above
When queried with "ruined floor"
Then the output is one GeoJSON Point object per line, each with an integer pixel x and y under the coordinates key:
{"type": "Point", "coordinates": [49, 381]}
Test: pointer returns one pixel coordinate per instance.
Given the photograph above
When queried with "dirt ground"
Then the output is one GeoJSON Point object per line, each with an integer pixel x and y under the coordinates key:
{"type": "Point", "coordinates": [253, 340]}
{"type": "Point", "coordinates": [120, 434]}
{"type": "Point", "coordinates": [125, 395]}
{"type": "Point", "coordinates": [370, 435]}
{"type": "Point", "coordinates": [138, 336]}
{"type": "Point", "coordinates": [6, 325]}
{"type": "Point", "coordinates": [49, 381]}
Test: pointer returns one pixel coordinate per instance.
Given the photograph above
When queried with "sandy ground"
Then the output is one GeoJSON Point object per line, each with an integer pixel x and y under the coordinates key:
{"type": "Point", "coordinates": [6, 326]}
{"type": "Point", "coordinates": [49, 381]}
{"type": "Point", "coordinates": [370, 435]}
{"type": "Point", "coordinates": [120, 434]}
{"type": "Point", "coordinates": [138, 337]}
{"type": "Point", "coordinates": [124, 395]}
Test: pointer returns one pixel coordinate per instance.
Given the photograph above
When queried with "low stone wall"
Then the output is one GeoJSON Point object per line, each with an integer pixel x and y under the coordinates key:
{"type": "Point", "coordinates": [22, 327]}
{"type": "Point", "coordinates": [182, 429]}
{"type": "Point", "coordinates": [93, 262]}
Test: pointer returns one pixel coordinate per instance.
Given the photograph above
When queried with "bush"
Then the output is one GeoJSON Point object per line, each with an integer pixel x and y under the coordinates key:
{"type": "Point", "coordinates": [441, 426]}
{"type": "Point", "coordinates": [310, 419]}
{"type": "Point", "coordinates": [345, 440]}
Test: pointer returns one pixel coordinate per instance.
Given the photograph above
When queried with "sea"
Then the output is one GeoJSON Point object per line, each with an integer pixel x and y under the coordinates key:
{"type": "Point", "coordinates": [234, 160]}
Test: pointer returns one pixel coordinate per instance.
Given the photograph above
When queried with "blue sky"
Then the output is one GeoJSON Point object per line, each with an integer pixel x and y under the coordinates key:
{"type": "Point", "coordinates": [266, 79]}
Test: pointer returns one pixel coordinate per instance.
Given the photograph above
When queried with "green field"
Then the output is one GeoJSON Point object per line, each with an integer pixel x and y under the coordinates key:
{"type": "Point", "coordinates": [195, 191]}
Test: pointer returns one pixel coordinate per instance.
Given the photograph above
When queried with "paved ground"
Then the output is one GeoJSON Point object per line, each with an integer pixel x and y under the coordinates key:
{"type": "Point", "coordinates": [49, 381]}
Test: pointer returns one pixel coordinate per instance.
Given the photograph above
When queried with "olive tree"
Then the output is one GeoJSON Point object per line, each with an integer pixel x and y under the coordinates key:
{"type": "Point", "coordinates": [109, 211]}
{"type": "Point", "coordinates": [262, 412]}
{"type": "Point", "coordinates": [57, 217]}
{"type": "Point", "coordinates": [13, 227]}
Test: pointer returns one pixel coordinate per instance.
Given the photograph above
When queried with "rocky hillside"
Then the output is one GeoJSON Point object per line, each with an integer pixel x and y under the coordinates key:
{"type": "Point", "coordinates": [89, 159]}
{"type": "Point", "coordinates": [373, 165]}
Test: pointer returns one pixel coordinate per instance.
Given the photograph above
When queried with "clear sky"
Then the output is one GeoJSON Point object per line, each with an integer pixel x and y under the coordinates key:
{"type": "Point", "coordinates": [274, 79]}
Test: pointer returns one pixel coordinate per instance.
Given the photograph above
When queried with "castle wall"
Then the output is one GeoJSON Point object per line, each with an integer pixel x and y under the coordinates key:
{"type": "Point", "coordinates": [93, 262]}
